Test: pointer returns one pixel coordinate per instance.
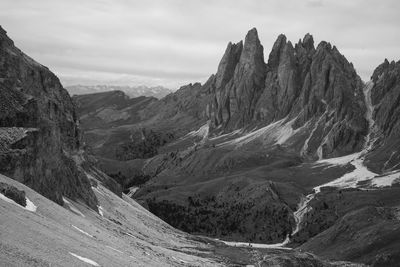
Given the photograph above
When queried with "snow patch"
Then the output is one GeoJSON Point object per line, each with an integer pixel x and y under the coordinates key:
{"type": "Point", "coordinates": [369, 116]}
{"type": "Point", "coordinates": [115, 249]}
{"type": "Point", "coordinates": [97, 190]}
{"type": "Point", "coordinates": [101, 211]}
{"type": "Point", "coordinates": [72, 207]}
{"type": "Point", "coordinates": [276, 133]}
{"type": "Point", "coordinates": [9, 200]}
{"type": "Point", "coordinates": [83, 232]}
{"type": "Point", "coordinates": [128, 234]}
{"type": "Point", "coordinates": [301, 211]}
{"type": "Point", "coordinates": [226, 136]}
{"type": "Point", "coordinates": [386, 180]}
{"type": "Point", "coordinates": [257, 245]}
{"type": "Point", "coordinates": [29, 204]}
{"type": "Point", "coordinates": [339, 160]}
{"type": "Point", "coordinates": [89, 261]}
{"type": "Point", "coordinates": [286, 132]}
{"type": "Point", "coordinates": [388, 161]}
{"type": "Point", "coordinates": [351, 179]}
{"type": "Point", "coordinates": [262, 133]}
{"type": "Point", "coordinates": [132, 191]}
{"type": "Point", "coordinates": [203, 132]}
{"type": "Point", "coordinates": [180, 260]}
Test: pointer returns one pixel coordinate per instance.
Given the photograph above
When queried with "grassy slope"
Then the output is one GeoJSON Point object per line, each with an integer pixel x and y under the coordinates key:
{"type": "Point", "coordinates": [356, 225]}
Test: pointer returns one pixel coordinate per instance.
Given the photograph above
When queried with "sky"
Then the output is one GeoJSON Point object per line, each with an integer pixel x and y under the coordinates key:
{"type": "Point", "coordinates": [176, 42]}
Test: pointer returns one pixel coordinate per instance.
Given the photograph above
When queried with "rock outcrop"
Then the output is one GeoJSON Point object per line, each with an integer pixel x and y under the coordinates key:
{"type": "Point", "coordinates": [238, 83]}
{"type": "Point", "coordinates": [13, 193]}
{"type": "Point", "coordinates": [385, 96]}
{"type": "Point", "coordinates": [39, 132]}
{"type": "Point", "coordinates": [314, 86]}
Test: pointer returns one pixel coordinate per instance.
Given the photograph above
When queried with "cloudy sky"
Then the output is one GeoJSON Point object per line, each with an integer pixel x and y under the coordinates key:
{"type": "Point", "coordinates": [174, 42]}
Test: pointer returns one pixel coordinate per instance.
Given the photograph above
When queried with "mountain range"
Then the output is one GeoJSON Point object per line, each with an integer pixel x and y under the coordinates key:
{"type": "Point", "coordinates": [289, 161]}
{"type": "Point", "coordinates": [132, 91]}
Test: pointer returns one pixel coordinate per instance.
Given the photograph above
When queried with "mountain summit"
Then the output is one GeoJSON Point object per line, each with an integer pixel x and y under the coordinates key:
{"type": "Point", "coordinates": [238, 81]}
{"type": "Point", "coordinates": [307, 85]}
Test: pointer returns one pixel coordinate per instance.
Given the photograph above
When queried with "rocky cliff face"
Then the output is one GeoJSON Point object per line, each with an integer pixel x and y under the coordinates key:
{"type": "Point", "coordinates": [238, 83]}
{"type": "Point", "coordinates": [38, 128]}
{"type": "Point", "coordinates": [385, 96]}
{"type": "Point", "coordinates": [317, 87]}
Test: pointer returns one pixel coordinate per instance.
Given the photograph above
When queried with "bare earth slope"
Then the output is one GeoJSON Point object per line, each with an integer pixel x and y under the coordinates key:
{"type": "Point", "coordinates": [126, 234]}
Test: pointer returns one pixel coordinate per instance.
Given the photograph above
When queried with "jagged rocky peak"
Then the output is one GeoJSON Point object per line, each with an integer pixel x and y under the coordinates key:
{"type": "Point", "coordinates": [253, 51]}
{"type": "Point", "coordinates": [385, 96]}
{"type": "Point", "coordinates": [39, 131]}
{"type": "Point", "coordinates": [228, 63]}
{"type": "Point", "coordinates": [4, 38]}
{"type": "Point", "coordinates": [274, 56]}
{"type": "Point", "coordinates": [308, 42]}
{"type": "Point", "coordinates": [299, 82]}
{"type": "Point", "coordinates": [383, 67]}
{"type": "Point", "coordinates": [239, 82]}
{"type": "Point", "coordinates": [385, 76]}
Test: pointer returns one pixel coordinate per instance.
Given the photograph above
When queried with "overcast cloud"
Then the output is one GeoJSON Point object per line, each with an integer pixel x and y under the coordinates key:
{"type": "Point", "coordinates": [174, 42]}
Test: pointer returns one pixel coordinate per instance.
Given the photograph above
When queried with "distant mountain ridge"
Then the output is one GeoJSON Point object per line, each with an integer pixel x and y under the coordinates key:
{"type": "Point", "coordinates": [132, 91]}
